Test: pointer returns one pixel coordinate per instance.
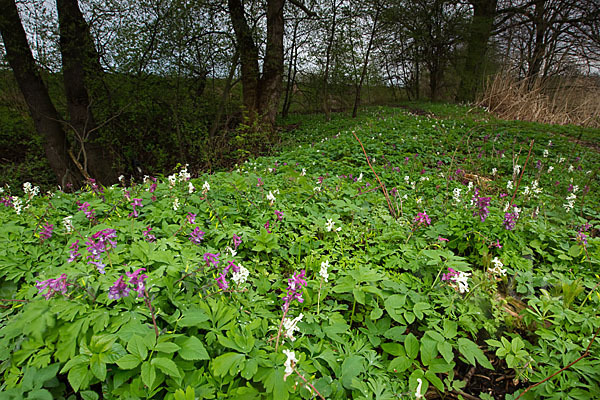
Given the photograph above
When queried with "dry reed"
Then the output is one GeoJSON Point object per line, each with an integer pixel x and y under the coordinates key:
{"type": "Point", "coordinates": [569, 100]}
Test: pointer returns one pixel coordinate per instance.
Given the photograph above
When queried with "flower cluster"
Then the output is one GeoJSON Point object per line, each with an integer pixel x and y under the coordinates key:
{"type": "Point", "coordinates": [481, 204]}
{"type": "Point", "coordinates": [330, 226]}
{"type": "Point", "coordinates": [54, 286]}
{"type": "Point", "coordinates": [46, 232]}
{"type": "Point", "coordinates": [510, 219]}
{"type": "Point", "coordinates": [134, 204]}
{"type": "Point", "coordinates": [74, 251]}
{"type": "Point", "coordinates": [196, 236]}
{"type": "Point", "coordinates": [87, 210]}
{"type": "Point", "coordinates": [422, 219]}
{"type": "Point", "coordinates": [68, 223]}
{"type": "Point", "coordinates": [294, 289]}
{"type": "Point", "coordinates": [323, 272]}
{"type": "Point", "coordinates": [150, 237]}
{"type": "Point", "coordinates": [291, 325]}
{"type": "Point", "coordinates": [101, 242]}
{"type": "Point", "coordinates": [121, 289]}
{"type": "Point", "coordinates": [457, 278]}
{"type": "Point", "coordinates": [497, 269]}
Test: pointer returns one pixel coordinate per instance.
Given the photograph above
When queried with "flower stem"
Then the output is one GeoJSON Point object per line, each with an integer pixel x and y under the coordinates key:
{"type": "Point", "coordinates": [309, 384]}
{"type": "Point", "coordinates": [285, 311]}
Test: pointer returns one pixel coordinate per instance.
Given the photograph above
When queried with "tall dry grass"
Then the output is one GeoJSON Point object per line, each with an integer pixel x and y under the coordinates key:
{"type": "Point", "coordinates": [567, 100]}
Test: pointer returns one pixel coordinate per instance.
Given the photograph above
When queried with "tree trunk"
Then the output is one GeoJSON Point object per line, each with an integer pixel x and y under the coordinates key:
{"type": "Point", "coordinates": [482, 23]}
{"type": "Point", "coordinates": [45, 117]}
{"type": "Point", "coordinates": [82, 71]}
{"type": "Point", "coordinates": [248, 57]}
{"type": "Point", "coordinates": [291, 74]}
{"type": "Point", "coordinates": [539, 50]}
{"type": "Point", "coordinates": [365, 64]}
{"type": "Point", "coordinates": [261, 94]}
{"type": "Point", "coordinates": [326, 105]}
{"type": "Point", "coordinates": [271, 83]}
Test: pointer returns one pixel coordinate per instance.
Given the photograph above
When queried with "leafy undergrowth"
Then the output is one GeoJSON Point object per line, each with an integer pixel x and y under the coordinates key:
{"type": "Point", "coordinates": [296, 277]}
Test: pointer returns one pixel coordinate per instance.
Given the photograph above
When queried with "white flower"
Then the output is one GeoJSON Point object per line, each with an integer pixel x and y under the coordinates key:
{"type": "Point", "coordinates": [271, 197]}
{"type": "Point", "coordinates": [183, 174]}
{"type": "Point", "coordinates": [561, 160]}
{"type": "Point", "coordinates": [191, 188]}
{"type": "Point", "coordinates": [509, 185]}
{"type": "Point", "coordinates": [419, 200]}
{"type": "Point", "coordinates": [575, 188]}
{"type": "Point", "coordinates": [176, 204]}
{"type": "Point", "coordinates": [506, 206]}
{"type": "Point", "coordinates": [360, 177]}
{"type": "Point", "coordinates": [549, 143]}
{"type": "Point", "coordinates": [290, 326]}
{"type": "Point", "coordinates": [231, 251]}
{"type": "Point", "coordinates": [205, 187]}
{"type": "Point", "coordinates": [497, 269]}
{"type": "Point", "coordinates": [418, 394]}
{"type": "Point", "coordinates": [303, 172]}
{"type": "Point", "coordinates": [317, 189]}
{"type": "Point", "coordinates": [550, 168]}
{"type": "Point", "coordinates": [571, 168]}
{"type": "Point", "coordinates": [323, 272]}
{"type": "Point", "coordinates": [494, 171]}
{"type": "Point", "coordinates": [470, 186]}
{"type": "Point", "coordinates": [462, 279]}
{"type": "Point", "coordinates": [30, 190]}
{"type": "Point", "coordinates": [406, 178]}
{"type": "Point", "coordinates": [535, 188]}
{"type": "Point", "coordinates": [330, 226]}
{"type": "Point", "coordinates": [241, 276]}
{"type": "Point", "coordinates": [545, 153]}
{"type": "Point", "coordinates": [456, 194]}
{"type": "Point", "coordinates": [172, 180]}
{"type": "Point", "coordinates": [68, 223]}
{"type": "Point", "coordinates": [526, 190]}
{"type": "Point", "coordinates": [570, 202]}
{"type": "Point", "coordinates": [17, 204]}
{"type": "Point", "coordinates": [122, 178]}
{"type": "Point", "coordinates": [289, 363]}
{"type": "Point", "coordinates": [516, 169]}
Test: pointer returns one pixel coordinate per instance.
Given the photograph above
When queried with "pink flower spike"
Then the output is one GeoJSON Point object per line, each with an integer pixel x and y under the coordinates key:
{"type": "Point", "coordinates": [441, 239]}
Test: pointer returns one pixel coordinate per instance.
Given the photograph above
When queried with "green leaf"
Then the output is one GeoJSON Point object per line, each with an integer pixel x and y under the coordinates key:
{"type": "Point", "coordinates": [80, 359]}
{"type": "Point", "coordinates": [351, 368]}
{"type": "Point", "coordinates": [575, 250]}
{"type": "Point", "coordinates": [445, 350]}
{"type": "Point", "coordinates": [192, 349]}
{"type": "Point", "coordinates": [394, 305]}
{"type": "Point", "coordinates": [148, 374]}
{"type": "Point", "coordinates": [166, 366]}
{"type": "Point", "coordinates": [450, 329]}
{"type": "Point", "coordinates": [411, 344]}
{"type": "Point", "coordinates": [166, 347]}
{"type": "Point", "coordinates": [137, 347]}
{"type": "Point", "coordinates": [78, 377]}
{"type": "Point", "coordinates": [420, 308]}
{"type": "Point", "coordinates": [193, 317]}
{"type": "Point", "coordinates": [97, 367]}
{"type": "Point", "coordinates": [471, 351]}
{"type": "Point", "coordinates": [39, 394]}
{"type": "Point", "coordinates": [89, 395]}
{"type": "Point", "coordinates": [128, 361]}
{"type": "Point", "coordinates": [435, 381]}
{"type": "Point", "coordinates": [228, 362]}
{"type": "Point", "coordinates": [395, 349]}
{"type": "Point", "coordinates": [376, 313]}
{"type": "Point", "coordinates": [400, 364]}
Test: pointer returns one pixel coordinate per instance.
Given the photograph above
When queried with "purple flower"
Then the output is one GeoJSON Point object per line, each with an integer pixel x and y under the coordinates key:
{"type": "Point", "coordinates": [451, 273]}
{"type": "Point", "coordinates": [54, 286]}
{"type": "Point", "coordinates": [46, 232]}
{"type": "Point", "coordinates": [99, 265]}
{"type": "Point", "coordinates": [211, 258]}
{"type": "Point", "coordinates": [196, 236]}
{"type": "Point", "coordinates": [134, 204]}
{"type": "Point", "coordinates": [95, 187]}
{"type": "Point", "coordinates": [74, 252]}
{"type": "Point", "coordinates": [422, 218]}
{"type": "Point", "coordinates": [191, 218]}
{"type": "Point", "coordinates": [221, 278]}
{"type": "Point", "coordinates": [7, 201]}
{"type": "Point", "coordinates": [279, 215]}
{"type": "Point", "coordinates": [581, 238]}
{"type": "Point", "coordinates": [482, 204]}
{"type": "Point", "coordinates": [149, 236]}
{"type": "Point", "coordinates": [441, 239]}
{"type": "Point", "coordinates": [87, 210]}
{"type": "Point", "coordinates": [236, 241]}
{"type": "Point", "coordinates": [118, 290]}
{"type": "Point", "coordinates": [267, 226]}
{"type": "Point", "coordinates": [294, 289]}
{"type": "Point", "coordinates": [260, 182]}
{"type": "Point", "coordinates": [137, 281]}
{"type": "Point", "coordinates": [510, 220]}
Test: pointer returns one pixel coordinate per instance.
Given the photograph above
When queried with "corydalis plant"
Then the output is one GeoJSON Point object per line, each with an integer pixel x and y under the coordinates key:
{"type": "Point", "coordinates": [296, 283]}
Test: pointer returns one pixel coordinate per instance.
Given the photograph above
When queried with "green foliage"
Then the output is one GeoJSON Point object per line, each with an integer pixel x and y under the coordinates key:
{"type": "Point", "coordinates": [391, 314]}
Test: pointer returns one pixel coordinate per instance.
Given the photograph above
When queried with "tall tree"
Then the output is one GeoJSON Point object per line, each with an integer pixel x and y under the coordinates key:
{"type": "Point", "coordinates": [45, 117]}
{"type": "Point", "coordinates": [82, 74]}
{"type": "Point", "coordinates": [261, 92]}
{"type": "Point", "coordinates": [480, 31]}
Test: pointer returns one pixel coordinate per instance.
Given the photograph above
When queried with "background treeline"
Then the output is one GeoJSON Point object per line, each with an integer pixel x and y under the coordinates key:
{"type": "Point", "coordinates": [135, 87]}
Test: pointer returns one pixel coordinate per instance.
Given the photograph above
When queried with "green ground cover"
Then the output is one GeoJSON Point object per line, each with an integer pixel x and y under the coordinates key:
{"type": "Point", "coordinates": [294, 276]}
